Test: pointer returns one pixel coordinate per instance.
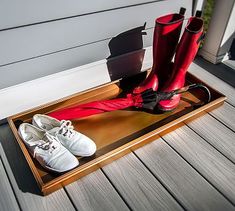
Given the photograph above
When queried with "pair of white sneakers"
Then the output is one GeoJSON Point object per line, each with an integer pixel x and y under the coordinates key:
{"type": "Point", "coordinates": [54, 143]}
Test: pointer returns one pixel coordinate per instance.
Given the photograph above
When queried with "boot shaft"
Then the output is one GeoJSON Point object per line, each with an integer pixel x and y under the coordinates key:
{"type": "Point", "coordinates": [166, 36]}
{"type": "Point", "coordinates": [186, 51]}
{"type": "Point", "coordinates": [189, 44]}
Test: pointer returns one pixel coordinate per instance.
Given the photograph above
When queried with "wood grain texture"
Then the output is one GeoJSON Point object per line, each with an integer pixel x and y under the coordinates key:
{"type": "Point", "coordinates": [22, 180]}
{"type": "Point", "coordinates": [186, 184]}
{"type": "Point", "coordinates": [7, 199]}
{"type": "Point", "coordinates": [32, 41]}
{"type": "Point", "coordinates": [202, 156]}
{"type": "Point", "coordinates": [214, 82]}
{"type": "Point", "coordinates": [138, 186]}
{"type": "Point", "coordinates": [214, 132]}
{"type": "Point", "coordinates": [225, 114]}
{"type": "Point", "coordinates": [94, 192]}
{"type": "Point", "coordinates": [18, 14]}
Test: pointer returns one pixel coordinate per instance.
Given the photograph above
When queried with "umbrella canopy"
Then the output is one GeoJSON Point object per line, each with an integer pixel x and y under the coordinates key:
{"type": "Point", "coordinates": [147, 100]}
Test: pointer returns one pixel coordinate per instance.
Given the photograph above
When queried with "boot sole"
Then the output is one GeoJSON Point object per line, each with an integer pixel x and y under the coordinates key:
{"type": "Point", "coordinates": [166, 110]}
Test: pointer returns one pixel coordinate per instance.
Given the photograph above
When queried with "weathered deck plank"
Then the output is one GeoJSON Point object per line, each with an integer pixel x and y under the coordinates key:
{"type": "Point", "coordinates": [94, 192]}
{"type": "Point", "coordinates": [22, 179]}
{"type": "Point", "coordinates": [7, 199]}
{"type": "Point", "coordinates": [138, 186]}
{"type": "Point", "coordinates": [225, 114]}
{"type": "Point", "coordinates": [214, 132]}
{"type": "Point", "coordinates": [202, 156]}
{"type": "Point", "coordinates": [187, 185]}
{"type": "Point", "coordinates": [214, 82]}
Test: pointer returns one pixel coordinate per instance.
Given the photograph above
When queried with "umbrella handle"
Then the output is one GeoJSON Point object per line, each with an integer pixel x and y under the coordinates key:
{"type": "Point", "coordinates": [194, 86]}
{"type": "Point", "coordinates": [151, 98]}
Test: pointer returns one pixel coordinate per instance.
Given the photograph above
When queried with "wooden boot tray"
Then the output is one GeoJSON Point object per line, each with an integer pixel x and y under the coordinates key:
{"type": "Point", "coordinates": [115, 133]}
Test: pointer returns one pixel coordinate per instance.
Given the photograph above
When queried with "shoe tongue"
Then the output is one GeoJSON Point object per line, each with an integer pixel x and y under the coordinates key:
{"type": "Point", "coordinates": [48, 138]}
{"type": "Point", "coordinates": [45, 138]}
{"type": "Point", "coordinates": [53, 130]}
{"type": "Point", "coordinates": [38, 142]}
{"type": "Point", "coordinates": [49, 143]}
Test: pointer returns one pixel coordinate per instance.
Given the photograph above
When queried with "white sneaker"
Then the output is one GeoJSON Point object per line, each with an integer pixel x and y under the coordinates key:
{"type": "Point", "coordinates": [47, 149]}
{"type": "Point", "coordinates": [75, 142]}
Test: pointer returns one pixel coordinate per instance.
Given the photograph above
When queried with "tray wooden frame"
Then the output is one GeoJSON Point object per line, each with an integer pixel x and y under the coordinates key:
{"type": "Point", "coordinates": [102, 92]}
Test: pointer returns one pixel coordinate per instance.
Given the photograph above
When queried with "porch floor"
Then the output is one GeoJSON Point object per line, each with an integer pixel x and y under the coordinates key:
{"type": "Point", "coordinates": [191, 168]}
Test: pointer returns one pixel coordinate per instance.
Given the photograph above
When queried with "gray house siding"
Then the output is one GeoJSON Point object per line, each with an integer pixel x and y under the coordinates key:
{"type": "Point", "coordinates": [39, 39]}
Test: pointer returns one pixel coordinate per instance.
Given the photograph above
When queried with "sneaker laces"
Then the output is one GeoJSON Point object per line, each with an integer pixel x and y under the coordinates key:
{"type": "Point", "coordinates": [66, 129]}
{"type": "Point", "coordinates": [49, 144]}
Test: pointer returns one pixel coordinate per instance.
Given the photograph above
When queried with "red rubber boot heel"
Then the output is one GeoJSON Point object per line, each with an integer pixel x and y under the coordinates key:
{"type": "Point", "coordinates": [166, 36]}
{"type": "Point", "coordinates": [185, 54]}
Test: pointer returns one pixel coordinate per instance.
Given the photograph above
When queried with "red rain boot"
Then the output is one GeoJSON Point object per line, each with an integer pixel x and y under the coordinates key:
{"type": "Point", "coordinates": [166, 36]}
{"type": "Point", "coordinates": [185, 53]}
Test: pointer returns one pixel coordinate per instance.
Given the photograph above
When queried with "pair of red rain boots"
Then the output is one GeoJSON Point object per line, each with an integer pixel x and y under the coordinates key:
{"type": "Point", "coordinates": [166, 76]}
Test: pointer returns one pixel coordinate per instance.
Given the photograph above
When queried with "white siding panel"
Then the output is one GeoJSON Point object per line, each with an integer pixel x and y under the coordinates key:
{"type": "Point", "coordinates": [42, 66]}
{"type": "Point", "coordinates": [27, 95]}
{"type": "Point", "coordinates": [26, 42]}
{"type": "Point", "coordinates": [24, 12]}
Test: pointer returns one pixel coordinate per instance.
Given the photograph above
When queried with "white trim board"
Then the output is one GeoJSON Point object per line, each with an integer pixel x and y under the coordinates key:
{"type": "Point", "coordinates": [40, 91]}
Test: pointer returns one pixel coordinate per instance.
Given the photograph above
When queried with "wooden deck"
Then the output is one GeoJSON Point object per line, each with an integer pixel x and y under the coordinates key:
{"type": "Point", "coordinates": [191, 168]}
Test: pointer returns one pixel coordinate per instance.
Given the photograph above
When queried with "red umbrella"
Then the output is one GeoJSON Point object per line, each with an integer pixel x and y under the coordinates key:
{"type": "Point", "coordinates": [147, 100]}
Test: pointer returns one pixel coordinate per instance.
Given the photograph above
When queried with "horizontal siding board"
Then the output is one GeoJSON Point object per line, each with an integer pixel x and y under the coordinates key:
{"type": "Point", "coordinates": [53, 63]}
{"type": "Point", "coordinates": [26, 12]}
{"type": "Point", "coordinates": [32, 93]}
{"type": "Point", "coordinates": [55, 86]}
{"type": "Point", "coordinates": [56, 62]}
{"type": "Point", "coordinates": [32, 41]}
